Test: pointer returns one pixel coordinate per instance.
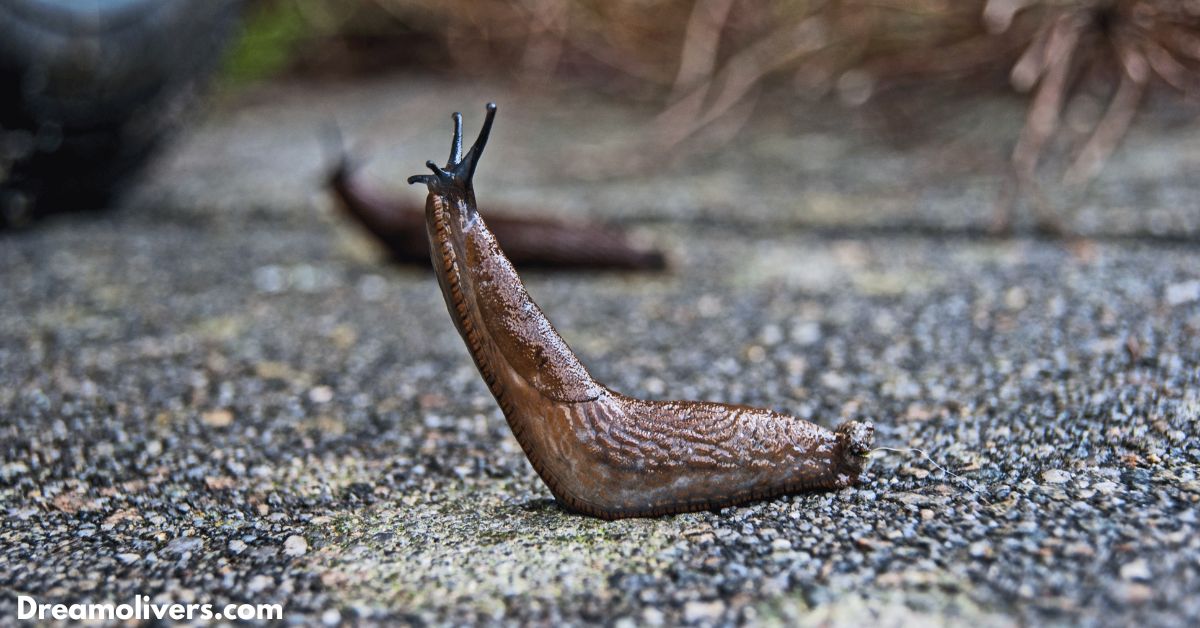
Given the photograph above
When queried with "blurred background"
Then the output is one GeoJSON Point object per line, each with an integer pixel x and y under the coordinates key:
{"type": "Point", "coordinates": [92, 88]}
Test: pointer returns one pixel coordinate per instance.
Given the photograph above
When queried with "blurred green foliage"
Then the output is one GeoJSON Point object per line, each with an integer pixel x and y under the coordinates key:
{"type": "Point", "coordinates": [271, 33]}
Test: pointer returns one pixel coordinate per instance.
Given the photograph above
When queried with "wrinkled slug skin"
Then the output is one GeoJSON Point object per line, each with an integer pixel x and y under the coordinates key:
{"type": "Point", "coordinates": [600, 452]}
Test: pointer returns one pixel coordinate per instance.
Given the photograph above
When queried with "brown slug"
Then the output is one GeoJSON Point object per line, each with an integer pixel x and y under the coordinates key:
{"type": "Point", "coordinates": [602, 453]}
{"type": "Point", "coordinates": [529, 242]}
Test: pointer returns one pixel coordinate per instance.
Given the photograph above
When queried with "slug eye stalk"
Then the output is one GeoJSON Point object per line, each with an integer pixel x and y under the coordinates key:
{"type": "Point", "coordinates": [460, 169]}
{"type": "Point", "coordinates": [602, 453]}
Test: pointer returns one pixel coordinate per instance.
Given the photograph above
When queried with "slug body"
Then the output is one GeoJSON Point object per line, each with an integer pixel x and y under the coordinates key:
{"type": "Point", "coordinates": [529, 242]}
{"type": "Point", "coordinates": [600, 452]}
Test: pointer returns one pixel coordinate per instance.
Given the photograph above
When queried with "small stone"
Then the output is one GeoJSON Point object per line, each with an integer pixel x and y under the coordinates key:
{"type": "Point", "coordinates": [184, 544]}
{"type": "Point", "coordinates": [320, 394]}
{"type": "Point", "coordinates": [24, 514]}
{"type": "Point", "coordinates": [781, 545]}
{"type": "Point", "coordinates": [1080, 550]}
{"type": "Point", "coordinates": [1056, 476]}
{"type": "Point", "coordinates": [771, 335]}
{"type": "Point", "coordinates": [911, 499]}
{"type": "Point", "coordinates": [981, 549]}
{"type": "Point", "coordinates": [237, 546]}
{"type": "Point", "coordinates": [219, 482]}
{"type": "Point", "coordinates": [259, 583]}
{"type": "Point", "coordinates": [331, 617]}
{"type": "Point", "coordinates": [835, 381]}
{"type": "Point", "coordinates": [1135, 570]}
{"type": "Point", "coordinates": [653, 617]}
{"type": "Point", "coordinates": [806, 334]}
{"type": "Point", "coordinates": [295, 545]}
{"type": "Point", "coordinates": [1184, 292]}
{"type": "Point", "coordinates": [129, 558]}
{"type": "Point", "coordinates": [1106, 487]}
{"type": "Point", "coordinates": [1135, 593]}
{"type": "Point", "coordinates": [372, 288]}
{"type": "Point", "coordinates": [695, 611]}
{"type": "Point", "coordinates": [217, 418]}
{"type": "Point", "coordinates": [270, 279]}
{"type": "Point", "coordinates": [915, 472]}
{"type": "Point", "coordinates": [1016, 298]}
{"type": "Point", "coordinates": [12, 469]}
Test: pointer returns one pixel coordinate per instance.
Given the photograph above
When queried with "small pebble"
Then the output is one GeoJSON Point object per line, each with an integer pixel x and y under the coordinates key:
{"type": "Point", "coordinates": [260, 583]}
{"type": "Point", "coordinates": [217, 418]}
{"type": "Point", "coordinates": [1135, 570]}
{"type": "Point", "coordinates": [320, 394]}
{"type": "Point", "coordinates": [1184, 292]}
{"type": "Point", "coordinates": [696, 611]}
{"type": "Point", "coordinates": [295, 545]}
{"type": "Point", "coordinates": [653, 617]}
{"type": "Point", "coordinates": [1056, 476]}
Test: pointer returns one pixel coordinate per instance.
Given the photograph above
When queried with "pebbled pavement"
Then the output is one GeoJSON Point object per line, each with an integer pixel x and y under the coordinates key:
{"type": "Point", "coordinates": [220, 394]}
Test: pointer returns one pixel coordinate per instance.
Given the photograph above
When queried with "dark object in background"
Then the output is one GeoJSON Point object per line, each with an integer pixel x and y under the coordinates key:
{"type": "Point", "coordinates": [88, 88]}
{"type": "Point", "coordinates": [529, 242]}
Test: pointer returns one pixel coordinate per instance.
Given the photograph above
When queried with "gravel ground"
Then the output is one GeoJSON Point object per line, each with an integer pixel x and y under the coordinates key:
{"type": "Point", "coordinates": [220, 394]}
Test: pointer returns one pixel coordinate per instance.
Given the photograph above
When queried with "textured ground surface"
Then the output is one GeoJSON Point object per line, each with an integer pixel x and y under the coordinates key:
{"type": "Point", "coordinates": [219, 394]}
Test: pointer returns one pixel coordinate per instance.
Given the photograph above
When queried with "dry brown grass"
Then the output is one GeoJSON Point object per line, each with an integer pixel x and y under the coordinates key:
{"type": "Point", "coordinates": [705, 61]}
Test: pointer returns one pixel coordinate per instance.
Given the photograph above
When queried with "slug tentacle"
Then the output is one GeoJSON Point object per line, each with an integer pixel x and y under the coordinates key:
{"type": "Point", "coordinates": [456, 143]}
{"type": "Point", "coordinates": [472, 158]}
{"type": "Point", "coordinates": [602, 453]}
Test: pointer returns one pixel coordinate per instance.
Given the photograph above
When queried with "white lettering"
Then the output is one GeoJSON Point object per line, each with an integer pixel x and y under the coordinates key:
{"type": "Point", "coordinates": [102, 611]}
{"type": "Point", "coordinates": [141, 609]}
{"type": "Point", "coordinates": [26, 607]}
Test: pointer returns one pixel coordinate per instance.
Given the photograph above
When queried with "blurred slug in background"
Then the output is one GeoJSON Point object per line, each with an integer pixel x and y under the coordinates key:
{"type": "Point", "coordinates": [531, 242]}
{"type": "Point", "coordinates": [602, 453]}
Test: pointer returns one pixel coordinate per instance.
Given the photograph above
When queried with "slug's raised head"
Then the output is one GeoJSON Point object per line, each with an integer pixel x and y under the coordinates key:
{"type": "Point", "coordinates": [460, 169]}
{"type": "Point", "coordinates": [854, 442]}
